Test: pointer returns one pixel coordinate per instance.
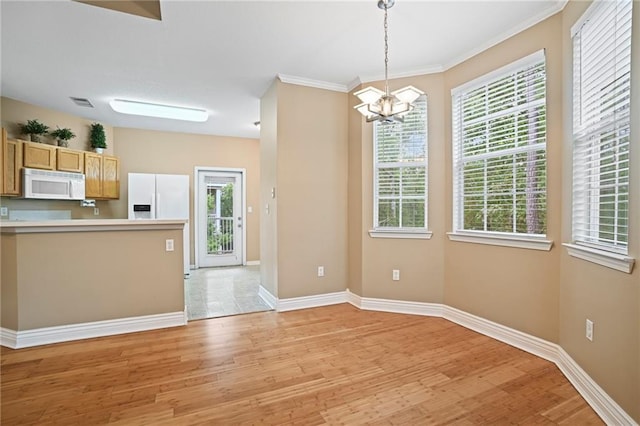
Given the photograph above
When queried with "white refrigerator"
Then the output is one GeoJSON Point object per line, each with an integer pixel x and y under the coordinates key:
{"type": "Point", "coordinates": [159, 196]}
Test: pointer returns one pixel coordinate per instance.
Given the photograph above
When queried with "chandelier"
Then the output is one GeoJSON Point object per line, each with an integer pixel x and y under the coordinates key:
{"type": "Point", "coordinates": [385, 106]}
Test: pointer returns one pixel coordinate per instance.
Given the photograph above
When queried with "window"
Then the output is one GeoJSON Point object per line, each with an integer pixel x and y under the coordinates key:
{"type": "Point", "coordinates": [400, 172]}
{"type": "Point", "coordinates": [601, 125]}
{"type": "Point", "coordinates": [499, 152]}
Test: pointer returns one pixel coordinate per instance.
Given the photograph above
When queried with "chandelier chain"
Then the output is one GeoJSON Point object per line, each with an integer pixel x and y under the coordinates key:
{"type": "Point", "coordinates": [386, 52]}
{"type": "Point", "coordinates": [386, 107]}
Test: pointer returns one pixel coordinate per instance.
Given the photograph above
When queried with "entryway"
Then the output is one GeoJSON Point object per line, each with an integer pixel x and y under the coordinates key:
{"type": "Point", "coordinates": [219, 292]}
{"type": "Point", "coordinates": [219, 233]}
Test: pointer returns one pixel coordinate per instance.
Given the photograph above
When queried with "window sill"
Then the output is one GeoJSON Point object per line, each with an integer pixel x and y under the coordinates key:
{"type": "Point", "coordinates": [495, 239]}
{"type": "Point", "coordinates": [619, 262]}
{"type": "Point", "coordinates": [401, 233]}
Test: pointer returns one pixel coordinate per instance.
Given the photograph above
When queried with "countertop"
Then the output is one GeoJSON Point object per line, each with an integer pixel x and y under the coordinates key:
{"type": "Point", "coordinates": [88, 225]}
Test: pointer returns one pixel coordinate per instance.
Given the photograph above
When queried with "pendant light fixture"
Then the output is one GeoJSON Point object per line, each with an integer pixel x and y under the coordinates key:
{"type": "Point", "coordinates": [385, 106]}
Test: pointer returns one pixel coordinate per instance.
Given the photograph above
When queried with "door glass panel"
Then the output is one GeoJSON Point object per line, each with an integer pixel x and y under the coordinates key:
{"type": "Point", "coordinates": [219, 218]}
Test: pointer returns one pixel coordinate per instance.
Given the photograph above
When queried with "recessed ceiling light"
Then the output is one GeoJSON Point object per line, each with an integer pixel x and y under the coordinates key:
{"type": "Point", "coordinates": [159, 110]}
{"type": "Point", "coordinates": [83, 102]}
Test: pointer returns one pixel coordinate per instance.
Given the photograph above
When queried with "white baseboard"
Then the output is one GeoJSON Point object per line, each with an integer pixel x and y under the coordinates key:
{"type": "Point", "coordinates": [395, 306]}
{"type": "Point", "coordinates": [528, 343]}
{"type": "Point", "coordinates": [268, 297]}
{"type": "Point", "coordinates": [314, 301]}
{"type": "Point", "coordinates": [252, 262]}
{"type": "Point", "coordinates": [596, 397]}
{"type": "Point", "coordinates": [8, 338]}
{"type": "Point", "coordinates": [66, 333]}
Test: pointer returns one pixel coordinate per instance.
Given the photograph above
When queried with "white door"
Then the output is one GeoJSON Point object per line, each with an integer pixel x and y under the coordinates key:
{"type": "Point", "coordinates": [220, 218]}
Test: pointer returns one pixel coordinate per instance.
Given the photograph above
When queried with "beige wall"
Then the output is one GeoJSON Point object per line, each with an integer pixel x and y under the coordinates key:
{"type": "Point", "coordinates": [310, 188]}
{"type": "Point", "coordinates": [15, 113]}
{"type": "Point", "coordinates": [89, 276]}
{"type": "Point", "coordinates": [356, 230]}
{"type": "Point", "coordinates": [611, 299]}
{"type": "Point", "coordinates": [268, 208]}
{"type": "Point", "coordinates": [147, 151]}
{"type": "Point", "coordinates": [9, 283]}
{"type": "Point", "coordinates": [515, 287]}
{"type": "Point", "coordinates": [421, 262]}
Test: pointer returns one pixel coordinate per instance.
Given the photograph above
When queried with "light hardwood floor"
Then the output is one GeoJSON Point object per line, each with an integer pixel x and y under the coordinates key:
{"type": "Point", "coordinates": [329, 365]}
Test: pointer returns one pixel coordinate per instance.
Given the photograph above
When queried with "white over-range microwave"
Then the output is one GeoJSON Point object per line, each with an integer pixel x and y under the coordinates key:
{"type": "Point", "coordinates": [51, 185]}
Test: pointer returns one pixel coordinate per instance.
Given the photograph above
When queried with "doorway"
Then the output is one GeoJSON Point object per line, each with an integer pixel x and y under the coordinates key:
{"type": "Point", "coordinates": [220, 232]}
{"type": "Point", "coordinates": [224, 291]}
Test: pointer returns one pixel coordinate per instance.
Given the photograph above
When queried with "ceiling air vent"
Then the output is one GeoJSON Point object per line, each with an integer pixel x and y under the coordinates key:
{"type": "Point", "coordinates": [83, 102]}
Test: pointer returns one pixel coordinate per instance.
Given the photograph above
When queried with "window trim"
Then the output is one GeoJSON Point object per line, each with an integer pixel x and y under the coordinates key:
{"type": "Point", "coordinates": [504, 239]}
{"type": "Point", "coordinates": [402, 232]}
{"type": "Point", "coordinates": [619, 262]}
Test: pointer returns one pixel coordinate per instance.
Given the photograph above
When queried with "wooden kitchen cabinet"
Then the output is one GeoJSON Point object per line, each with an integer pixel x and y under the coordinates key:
{"type": "Point", "coordinates": [110, 177]}
{"type": "Point", "coordinates": [39, 156]}
{"type": "Point", "coordinates": [70, 160]}
{"type": "Point", "coordinates": [10, 166]}
{"type": "Point", "coordinates": [102, 176]}
{"type": "Point", "coordinates": [92, 175]}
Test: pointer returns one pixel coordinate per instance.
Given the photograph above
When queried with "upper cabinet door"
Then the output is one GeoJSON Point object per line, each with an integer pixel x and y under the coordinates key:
{"type": "Point", "coordinates": [11, 164]}
{"type": "Point", "coordinates": [110, 177]}
{"type": "Point", "coordinates": [70, 160]}
{"type": "Point", "coordinates": [93, 175]}
{"type": "Point", "coordinates": [39, 156]}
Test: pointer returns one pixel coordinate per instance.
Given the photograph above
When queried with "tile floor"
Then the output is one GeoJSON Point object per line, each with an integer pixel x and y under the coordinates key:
{"type": "Point", "coordinates": [219, 292]}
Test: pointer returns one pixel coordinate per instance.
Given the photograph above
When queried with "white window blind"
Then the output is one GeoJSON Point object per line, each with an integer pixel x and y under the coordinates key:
{"type": "Point", "coordinates": [400, 169]}
{"type": "Point", "coordinates": [601, 125]}
{"type": "Point", "coordinates": [499, 150]}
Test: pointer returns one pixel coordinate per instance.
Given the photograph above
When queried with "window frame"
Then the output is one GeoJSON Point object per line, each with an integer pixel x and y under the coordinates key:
{"type": "Point", "coordinates": [499, 238]}
{"type": "Point", "coordinates": [401, 232]}
{"type": "Point", "coordinates": [586, 242]}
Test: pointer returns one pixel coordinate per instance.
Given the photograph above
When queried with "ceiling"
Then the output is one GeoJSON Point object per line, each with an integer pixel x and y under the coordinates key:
{"type": "Point", "coordinates": [223, 55]}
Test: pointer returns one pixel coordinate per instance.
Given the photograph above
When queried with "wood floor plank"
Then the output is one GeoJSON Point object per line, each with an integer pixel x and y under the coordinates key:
{"type": "Point", "coordinates": [329, 365]}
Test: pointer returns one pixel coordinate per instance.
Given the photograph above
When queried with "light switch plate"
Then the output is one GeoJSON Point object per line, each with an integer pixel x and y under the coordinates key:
{"type": "Point", "coordinates": [168, 245]}
{"type": "Point", "coordinates": [4, 211]}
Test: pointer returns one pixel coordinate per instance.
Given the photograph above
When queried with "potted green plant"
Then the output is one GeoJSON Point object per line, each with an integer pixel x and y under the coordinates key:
{"type": "Point", "coordinates": [34, 129]}
{"type": "Point", "coordinates": [97, 138]}
{"type": "Point", "coordinates": [63, 136]}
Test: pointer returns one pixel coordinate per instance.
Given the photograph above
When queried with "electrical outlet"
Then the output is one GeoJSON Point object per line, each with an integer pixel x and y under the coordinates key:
{"type": "Point", "coordinates": [4, 211]}
{"type": "Point", "coordinates": [589, 330]}
{"type": "Point", "coordinates": [321, 271]}
{"type": "Point", "coordinates": [396, 274]}
{"type": "Point", "coordinates": [168, 245]}
{"type": "Point", "coordinates": [96, 211]}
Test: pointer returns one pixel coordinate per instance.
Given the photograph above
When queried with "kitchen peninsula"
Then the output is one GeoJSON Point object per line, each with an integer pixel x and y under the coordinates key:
{"type": "Point", "coordinates": [72, 279]}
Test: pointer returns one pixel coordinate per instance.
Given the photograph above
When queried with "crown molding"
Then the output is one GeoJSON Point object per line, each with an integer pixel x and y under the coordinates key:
{"type": "Point", "coordinates": [430, 69]}
{"type": "Point", "coordinates": [301, 81]}
{"type": "Point", "coordinates": [353, 84]}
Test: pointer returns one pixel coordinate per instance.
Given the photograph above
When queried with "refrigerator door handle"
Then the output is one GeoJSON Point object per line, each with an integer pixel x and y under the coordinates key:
{"type": "Point", "coordinates": [153, 206]}
{"type": "Point", "coordinates": [157, 206]}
